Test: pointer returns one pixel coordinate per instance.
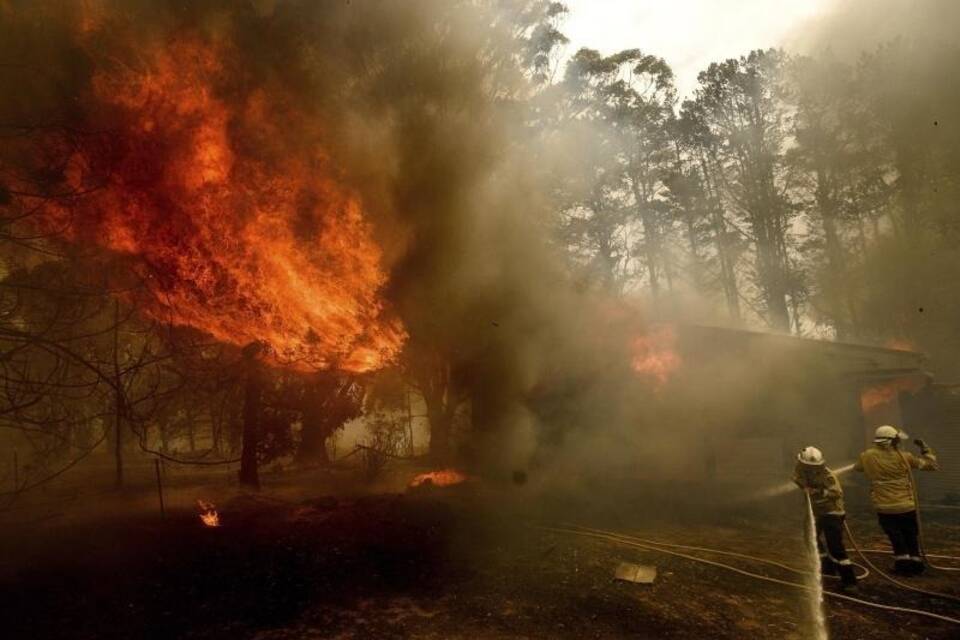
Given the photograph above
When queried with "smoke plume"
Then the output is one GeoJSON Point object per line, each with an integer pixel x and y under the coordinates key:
{"type": "Point", "coordinates": [329, 178]}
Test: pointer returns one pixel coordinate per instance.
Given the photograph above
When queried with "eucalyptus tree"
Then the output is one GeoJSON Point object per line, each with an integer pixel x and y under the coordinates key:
{"type": "Point", "coordinates": [618, 111]}
{"type": "Point", "coordinates": [839, 168]}
{"type": "Point", "coordinates": [695, 190]}
{"type": "Point", "coordinates": [743, 105]}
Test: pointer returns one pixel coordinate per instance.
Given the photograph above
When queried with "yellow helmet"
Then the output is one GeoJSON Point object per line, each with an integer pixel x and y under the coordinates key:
{"type": "Point", "coordinates": [811, 456]}
{"type": "Point", "coordinates": [886, 433]}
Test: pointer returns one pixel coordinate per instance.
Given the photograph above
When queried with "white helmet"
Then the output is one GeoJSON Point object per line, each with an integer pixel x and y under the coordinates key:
{"type": "Point", "coordinates": [811, 456]}
{"type": "Point", "coordinates": [886, 433]}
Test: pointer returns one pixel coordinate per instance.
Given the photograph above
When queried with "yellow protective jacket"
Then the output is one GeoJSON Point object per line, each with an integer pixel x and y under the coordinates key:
{"type": "Point", "coordinates": [826, 495]}
{"type": "Point", "coordinates": [887, 469]}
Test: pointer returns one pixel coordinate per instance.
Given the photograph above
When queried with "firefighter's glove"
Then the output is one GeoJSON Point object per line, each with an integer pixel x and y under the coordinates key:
{"type": "Point", "coordinates": [923, 445]}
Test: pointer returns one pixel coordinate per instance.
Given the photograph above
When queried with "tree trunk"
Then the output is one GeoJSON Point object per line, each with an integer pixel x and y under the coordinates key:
{"type": "Point", "coordinates": [164, 439]}
{"type": "Point", "coordinates": [117, 399]}
{"type": "Point", "coordinates": [118, 441]}
{"type": "Point", "coordinates": [774, 289]}
{"type": "Point", "coordinates": [728, 274]}
{"type": "Point", "coordinates": [650, 245]}
{"type": "Point", "coordinates": [437, 386]}
{"type": "Point", "coordinates": [321, 417]}
{"type": "Point", "coordinates": [836, 258]}
{"type": "Point", "coordinates": [908, 163]}
{"type": "Point", "coordinates": [191, 431]}
{"type": "Point", "coordinates": [770, 266]}
{"type": "Point", "coordinates": [216, 427]}
{"type": "Point", "coordinates": [313, 442]}
{"type": "Point", "coordinates": [696, 263]}
{"type": "Point", "coordinates": [252, 397]}
{"type": "Point", "coordinates": [411, 448]}
{"type": "Point", "coordinates": [651, 238]}
{"type": "Point", "coordinates": [441, 427]}
{"type": "Point", "coordinates": [234, 425]}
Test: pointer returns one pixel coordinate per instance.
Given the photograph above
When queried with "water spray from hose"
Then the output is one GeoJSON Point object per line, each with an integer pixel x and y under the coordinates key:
{"type": "Point", "coordinates": [786, 487]}
{"type": "Point", "coordinates": [815, 577]}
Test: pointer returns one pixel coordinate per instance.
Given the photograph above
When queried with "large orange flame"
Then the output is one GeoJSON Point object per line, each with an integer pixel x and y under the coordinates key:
{"type": "Point", "coordinates": [241, 229]}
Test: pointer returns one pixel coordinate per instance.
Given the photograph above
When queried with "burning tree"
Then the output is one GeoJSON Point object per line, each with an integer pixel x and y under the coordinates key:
{"type": "Point", "coordinates": [245, 246]}
{"type": "Point", "coordinates": [175, 174]}
{"type": "Point", "coordinates": [236, 184]}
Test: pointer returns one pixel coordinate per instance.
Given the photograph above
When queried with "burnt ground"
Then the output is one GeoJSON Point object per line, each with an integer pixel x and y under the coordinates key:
{"type": "Point", "coordinates": [461, 563]}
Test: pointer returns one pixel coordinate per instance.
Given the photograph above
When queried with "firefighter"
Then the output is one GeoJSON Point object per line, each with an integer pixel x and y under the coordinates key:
{"type": "Point", "coordinates": [893, 494]}
{"type": "Point", "coordinates": [826, 498]}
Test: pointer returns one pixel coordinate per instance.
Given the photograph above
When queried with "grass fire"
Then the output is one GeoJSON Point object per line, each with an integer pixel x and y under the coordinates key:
{"type": "Point", "coordinates": [479, 319]}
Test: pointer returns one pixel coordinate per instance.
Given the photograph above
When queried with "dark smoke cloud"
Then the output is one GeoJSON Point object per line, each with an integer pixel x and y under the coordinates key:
{"type": "Point", "coordinates": [416, 103]}
{"type": "Point", "coordinates": [419, 104]}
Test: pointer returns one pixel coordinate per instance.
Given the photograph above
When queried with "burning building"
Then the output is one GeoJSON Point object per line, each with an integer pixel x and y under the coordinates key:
{"type": "Point", "coordinates": [761, 397]}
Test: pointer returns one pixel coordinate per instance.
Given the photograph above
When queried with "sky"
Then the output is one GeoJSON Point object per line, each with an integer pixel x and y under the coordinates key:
{"type": "Point", "coordinates": [689, 34]}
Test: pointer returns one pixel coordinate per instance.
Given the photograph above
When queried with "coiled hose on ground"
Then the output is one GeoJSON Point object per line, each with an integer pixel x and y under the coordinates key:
{"type": "Point", "coordinates": [891, 579]}
{"type": "Point", "coordinates": [916, 502]}
{"type": "Point", "coordinates": [666, 548]}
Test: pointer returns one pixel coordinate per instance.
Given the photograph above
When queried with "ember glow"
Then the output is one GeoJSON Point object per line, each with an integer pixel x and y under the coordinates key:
{"type": "Point", "coordinates": [208, 513]}
{"type": "Point", "coordinates": [900, 344]}
{"type": "Point", "coordinates": [238, 228]}
{"type": "Point", "coordinates": [655, 355]}
{"type": "Point", "coordinates": [441, 478]}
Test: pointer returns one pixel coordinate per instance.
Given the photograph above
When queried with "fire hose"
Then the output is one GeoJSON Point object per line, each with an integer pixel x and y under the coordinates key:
{"type": "Point", "coordinates": [721, 552]}
{"type": "Point", "coordinates": [916, 501]}
{"type": "Point", "coordinates": [662, 547]}
{"type": "Point", "coordinates": [890, 578]}
{"type": "Point", "coordinates": [884, 575]}
{"type": "Point", "coordinates": [885, 552]}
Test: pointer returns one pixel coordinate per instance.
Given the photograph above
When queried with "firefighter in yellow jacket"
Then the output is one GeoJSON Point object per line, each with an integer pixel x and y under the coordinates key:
{"type": "Point", "coordinates": [826, 498]}
{"type": "Point", "coordinates": [892, 492]}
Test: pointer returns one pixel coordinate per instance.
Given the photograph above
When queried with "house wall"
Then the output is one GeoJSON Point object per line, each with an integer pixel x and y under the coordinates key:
{"type": "Point", "coordinates": [787, 393]}
{"type": "Point", "coordinates": [934, 415]}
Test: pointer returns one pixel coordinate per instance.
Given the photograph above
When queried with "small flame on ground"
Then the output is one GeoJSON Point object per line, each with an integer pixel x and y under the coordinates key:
{"type": "Point", "coordinates": [208, 513]}
{"type": "Point", "coordinates": [440, 478]}
{"type": "Point", "coordinates": [654, 354]}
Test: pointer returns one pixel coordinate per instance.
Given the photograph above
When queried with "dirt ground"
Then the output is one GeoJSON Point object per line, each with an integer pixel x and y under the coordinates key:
{"type": "Point", "coordinates": [473, 561]}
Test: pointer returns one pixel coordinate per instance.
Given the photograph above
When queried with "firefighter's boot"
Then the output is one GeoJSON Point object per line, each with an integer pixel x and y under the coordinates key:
{"type": "Point", "coordinates": [848, 577]}
{"type": "Point", "coordinates": [903, 566]}
{"type": "Point", "coordinates": [916, 565]}
{"type": "Point", "coordinates": [827, 566]}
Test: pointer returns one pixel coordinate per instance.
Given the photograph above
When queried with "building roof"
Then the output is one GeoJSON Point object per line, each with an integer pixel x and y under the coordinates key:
{"type": "Point", "coordinates": [854, 360]}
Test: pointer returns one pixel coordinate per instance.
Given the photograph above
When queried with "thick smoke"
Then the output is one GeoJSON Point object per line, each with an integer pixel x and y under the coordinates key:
{"type": "Point", "coordinates": [419, 107]}
{"type": "Point", "coordinates": [851, 27]}
{"type": "Point", "coordinates": [416, 104]}
{"type": "Point", "coordinates": [904, 57]}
